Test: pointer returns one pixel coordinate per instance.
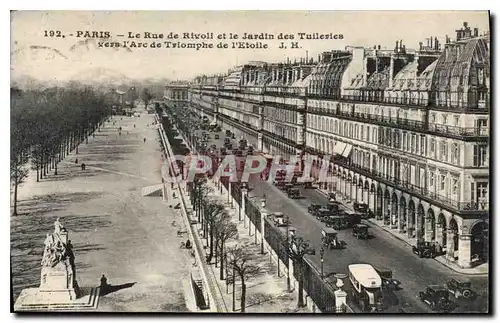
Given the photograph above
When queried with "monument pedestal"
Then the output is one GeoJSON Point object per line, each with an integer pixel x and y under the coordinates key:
{"type": "Point", "coordinates": [58, 289]}
{"type": "Point", "coordinates": [31, 299]}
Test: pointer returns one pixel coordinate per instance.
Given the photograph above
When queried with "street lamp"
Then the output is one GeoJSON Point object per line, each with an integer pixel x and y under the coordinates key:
{"type": "Point", "coordinates": [322, 253]}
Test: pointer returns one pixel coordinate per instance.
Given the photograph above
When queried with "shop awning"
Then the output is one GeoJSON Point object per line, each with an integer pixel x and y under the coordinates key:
{"type": "Point", "coordinates": [339, 148]}
{"type": "Point", "coordinates": [347, 150]}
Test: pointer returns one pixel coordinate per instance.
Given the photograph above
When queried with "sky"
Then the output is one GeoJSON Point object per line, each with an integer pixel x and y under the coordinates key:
{"type": "Point", "coordinates": [49, 58]}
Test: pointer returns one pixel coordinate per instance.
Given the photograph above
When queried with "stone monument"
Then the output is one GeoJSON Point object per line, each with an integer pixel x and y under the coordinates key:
{"type": "Point", "coordinates": [58, 288]}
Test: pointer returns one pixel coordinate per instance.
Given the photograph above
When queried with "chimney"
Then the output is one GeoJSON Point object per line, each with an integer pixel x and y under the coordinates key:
{"type": "Point", "coordinates": [379, 47]}
{"type": "Point", "coordinates": [420, 45]}
{"type": "Point", "coordinates": [476, 32]}
{"type": "Point", "coordinates": [374, 46]}
{"type": "Point", "coordinates": [396, 48]}
{"type": "Point", "coordinates": [436, 43]}
{"type": "Point", "coordinates": [447, 39]}
{"type": "Point", "coordinates": [404, 49]}
{"type": "Point", "coordinates": [391, 71]}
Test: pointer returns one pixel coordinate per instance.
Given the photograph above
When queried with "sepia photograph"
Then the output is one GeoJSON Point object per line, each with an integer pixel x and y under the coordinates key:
{"type": "Point", "coordinates": [245, 162]}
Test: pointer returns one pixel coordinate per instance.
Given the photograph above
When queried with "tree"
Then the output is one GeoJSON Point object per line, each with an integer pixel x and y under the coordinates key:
{"type": "Point", "coordinates": [212, 212]}
{"type": "Point", "coordinates": [239, 258]}
{"type": "Point", "coordinates": [224, 230]}
{"type": "Point", "coordinates": [296, 251]}
{"type": "Point", "coordinates": [18, 174]}
{"type": "Point", "coordinates": [146, 97]}
{"type": "Point", "coordinates": [199, 193]}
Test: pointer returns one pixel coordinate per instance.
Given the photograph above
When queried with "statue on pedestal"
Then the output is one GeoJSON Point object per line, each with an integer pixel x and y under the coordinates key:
{"type": "Point", "coordinates": [58, 263]}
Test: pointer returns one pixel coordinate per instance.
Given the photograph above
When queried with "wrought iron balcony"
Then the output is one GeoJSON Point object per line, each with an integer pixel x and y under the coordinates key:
{"type": "Point", "coordinates": [412, 125]}
{"type": "Point", "coordinates": [404, 185]}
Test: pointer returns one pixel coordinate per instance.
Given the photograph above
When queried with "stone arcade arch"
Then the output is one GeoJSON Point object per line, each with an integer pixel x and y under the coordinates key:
{"type": "Point", "coordinates": [349, 187]}
{"type": "Point", "coordinates": [411, 219]}
{"type": "Point", "coordinates": [430, 226]}
{"type": "Point", "coordinates": [441, 230]}
{"type": "Point", "coordinates": [394, 211]}
{"type": "Point", "coordinates": [359, 191]}
{"type": "Point", "coordinates": [366, 192]}
{"type": "Point", "coordinates": [373, 198]}
{"type": "Point", "coordinates": [402, 215]}
{"type": "Point", "coordinates": [386, 208]}
{"type": "Point", "coordinates": [379, 203]}
{"type": "Point", "coordinates": [479, 242]}
{"type": "Point", "coordinates": [452, 239]}
{"type": "Point", "coordinates": [420, 222]}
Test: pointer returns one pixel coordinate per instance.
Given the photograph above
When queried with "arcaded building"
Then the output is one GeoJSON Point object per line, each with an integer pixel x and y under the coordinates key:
{"type": "Point", "coordinates": [407, 129]}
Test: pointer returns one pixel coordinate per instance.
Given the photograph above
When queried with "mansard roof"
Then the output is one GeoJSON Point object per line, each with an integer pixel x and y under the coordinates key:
{"type": "Point", "coordinates": [455, 66]}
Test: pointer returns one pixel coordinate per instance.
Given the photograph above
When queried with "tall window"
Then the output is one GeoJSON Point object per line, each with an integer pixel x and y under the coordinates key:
{"type": "Point", "coordinates": [455, 153]}
{"type": "Point", "coordinates": [433, 147]}
{"type": "Point", "coordinates": [404, 141]}
{"type": "Point", "coordinates": [442, 185]}
{"type": "Point", "coordinates": [480, 155]}
{"type": "Point", "coordinates": [431, 178]}
{"type": "Point", "coordinates": [422, 145]}
{"type": "Point", "coordinates": [443, 150]}
{"type": "Point", "coordinates": [454, 186]}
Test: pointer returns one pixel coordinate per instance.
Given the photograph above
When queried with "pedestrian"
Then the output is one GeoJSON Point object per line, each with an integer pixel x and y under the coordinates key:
{"type": "Point", "coordinates": [76, 161]}
{"type": "Point", "coordinates": [144, 139]}
{"type": "Point", "coordinates": [134, 126]}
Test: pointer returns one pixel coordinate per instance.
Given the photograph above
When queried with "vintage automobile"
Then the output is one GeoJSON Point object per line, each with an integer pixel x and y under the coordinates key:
{"type": "Point", "coordinates": [313, 208]}
{"type": "Point", "coordinates": [229, 146]}
{"type": "Point", "coordinates": [425, 249]}
{"type": "Point", "coordinates": [233, 136]}
{"type": "Point", "coordinates": [293, 193]}
{"type": "Point", "coordinates": [360, 207]}
{"type": "Point", "coordinates": [288, 187]}
{"type": "Point", "coordinates": [336, 222]}
{"type": "Point", "coordinates": [216, 137]}
{"type": "Point", "coordinates": [352, 218]}
{"type": "Point", "coordinates": [332, 197]}
{"type": "Point", "coordinates": [367, 287]}
{"type": "Point", "coordinates": [460, 288]}
{"type": "Point", "coordinates": [227, 141]}
{"type": "Point", "coordinates": [281, 222]}
{"type": "Point", "coordinates": [308, 183]}
{"type": "Point", "coordinates": [360, 231]}
{"type": "Point", "coordinates": [329, 239]}
{"type": "Point", "coordinates": [322, 213]}
{"type": "Point", "coordinates": [388, 283]}
{"type": "Point", "coordinates": [228, 133]}
{"type": "Point", "coordinates": [437, 298]}
{"type": "Point", "coordinates": [333, 207]}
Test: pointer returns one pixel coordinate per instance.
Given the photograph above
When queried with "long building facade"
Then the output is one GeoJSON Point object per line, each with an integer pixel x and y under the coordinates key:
{"type": "Point", "coordinates": [408, 130]}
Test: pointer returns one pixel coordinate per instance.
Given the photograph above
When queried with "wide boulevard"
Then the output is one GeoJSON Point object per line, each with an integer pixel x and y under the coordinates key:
{"type": "Point", "coordinates": [383, 250]}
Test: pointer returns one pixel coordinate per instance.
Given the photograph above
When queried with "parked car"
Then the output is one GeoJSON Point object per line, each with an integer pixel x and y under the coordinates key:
{"type": "Point", "coordinates": [352, 218]}
{"type": "Point", "coordinates": [460, 288]}
{"type": "Point", "coordinates": [322, 213]}
{"type": "Point", "coordinates": [425, 249]}
{"type": "Point", "coordinates": [336, 222]}
{"type": "Point", "coordinates": [360, 231]}
{"type": "Point", "coordinates": [388, 282]}
{"type": "Point", "coordinates": [294, 193]}
{"type": "Point", "coordinates": [313, 208]}
{"type": "Point", "coordinates": [437, 298]}
{"type": "Point", "coordinates": [333, 207]}
{"type": "Point", "coordinates": [216, 137]}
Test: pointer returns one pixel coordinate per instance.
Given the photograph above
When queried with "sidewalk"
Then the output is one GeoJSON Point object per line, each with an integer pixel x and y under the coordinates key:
{"type": "Point", "coordinates": [481, 270]}
{"type": "Point", "coordinates": [265, 294]}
